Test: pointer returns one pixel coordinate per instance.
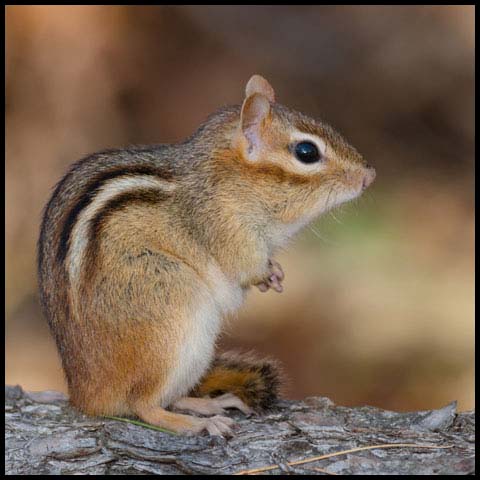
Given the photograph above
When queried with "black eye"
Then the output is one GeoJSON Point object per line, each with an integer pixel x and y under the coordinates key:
{"type": "Point", "coordinates": [307, 152]}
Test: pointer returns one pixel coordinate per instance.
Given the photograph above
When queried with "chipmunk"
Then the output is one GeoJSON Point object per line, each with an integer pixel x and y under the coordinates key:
{"type": "Point", "coordinates": [143, 252]}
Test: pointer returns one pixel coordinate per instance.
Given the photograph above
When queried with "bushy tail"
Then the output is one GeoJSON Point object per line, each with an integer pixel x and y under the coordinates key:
{"type": "Point", "coordinates": [255, 381]}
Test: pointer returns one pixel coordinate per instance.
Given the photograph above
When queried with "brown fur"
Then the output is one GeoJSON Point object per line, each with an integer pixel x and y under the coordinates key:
{"type": "Point", "coordinates": [256, 381]}
{"type": "Point", "coordinates": [145, 271]}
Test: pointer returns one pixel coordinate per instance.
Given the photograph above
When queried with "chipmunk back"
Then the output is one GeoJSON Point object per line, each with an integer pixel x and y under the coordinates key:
{"type": "Point", "coordinates": [144, 251]}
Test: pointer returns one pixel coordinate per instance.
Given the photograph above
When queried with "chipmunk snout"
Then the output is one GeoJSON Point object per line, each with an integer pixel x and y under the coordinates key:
{"type": "Point", "coordinates": [369, 177]}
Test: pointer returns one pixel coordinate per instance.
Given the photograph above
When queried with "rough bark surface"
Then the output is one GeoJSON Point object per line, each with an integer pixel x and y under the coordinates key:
{"type": "Point", "coordinates": [45, 436]}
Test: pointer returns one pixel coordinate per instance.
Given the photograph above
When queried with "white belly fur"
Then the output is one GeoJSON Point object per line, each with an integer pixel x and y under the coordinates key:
{"type": "Point", "coordinates": [219, 297]}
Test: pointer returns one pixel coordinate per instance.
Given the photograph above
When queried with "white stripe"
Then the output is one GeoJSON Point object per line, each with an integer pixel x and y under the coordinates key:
{"type": "Point", "coordinates": [80, 233]}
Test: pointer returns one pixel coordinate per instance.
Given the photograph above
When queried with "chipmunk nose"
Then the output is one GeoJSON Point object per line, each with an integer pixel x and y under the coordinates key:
{"type": "Point", "coordinates": [369, 177]}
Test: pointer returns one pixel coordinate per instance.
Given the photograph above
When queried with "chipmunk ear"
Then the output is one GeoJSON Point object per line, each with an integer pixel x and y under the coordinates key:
{"type": "Point", "coordinates": [255, 113]}
{"type": "Point", "coordinates": [257, 84]}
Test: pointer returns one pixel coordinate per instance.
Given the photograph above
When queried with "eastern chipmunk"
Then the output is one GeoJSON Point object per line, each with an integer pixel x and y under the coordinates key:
{"type": "Point", "coordinates": [144, 250]}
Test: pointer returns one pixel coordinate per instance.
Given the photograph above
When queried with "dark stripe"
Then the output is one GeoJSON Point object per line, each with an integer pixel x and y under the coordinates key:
{"type": "Point", "coordinates": [89, 194]}
{"type": "Point", "coordinates": [143, 195]}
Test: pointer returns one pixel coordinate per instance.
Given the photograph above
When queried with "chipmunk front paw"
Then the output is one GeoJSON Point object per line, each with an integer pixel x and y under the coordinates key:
{"type": "Point", "coordinates": [273, 279]}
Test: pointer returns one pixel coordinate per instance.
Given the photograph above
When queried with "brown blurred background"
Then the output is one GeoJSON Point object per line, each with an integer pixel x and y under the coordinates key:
{"type": "Point", "coordinates": [378, 305]}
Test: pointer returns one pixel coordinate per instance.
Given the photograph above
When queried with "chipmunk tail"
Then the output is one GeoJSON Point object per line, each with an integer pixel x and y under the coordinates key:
{"type": "Point", "coordinates": [256, 381]}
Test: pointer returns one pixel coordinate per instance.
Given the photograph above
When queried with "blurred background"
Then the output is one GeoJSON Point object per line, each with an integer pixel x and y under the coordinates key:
{"type": "Point", "coordinates": [378, 305]}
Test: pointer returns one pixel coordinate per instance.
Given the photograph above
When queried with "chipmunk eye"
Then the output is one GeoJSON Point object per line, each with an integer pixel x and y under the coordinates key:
{"type": "Point", "coordinates": [307, 152]}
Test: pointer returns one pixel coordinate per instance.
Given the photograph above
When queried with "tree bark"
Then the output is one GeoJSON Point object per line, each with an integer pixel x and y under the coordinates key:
{"type": "Point", "coordinates": [44, 435]}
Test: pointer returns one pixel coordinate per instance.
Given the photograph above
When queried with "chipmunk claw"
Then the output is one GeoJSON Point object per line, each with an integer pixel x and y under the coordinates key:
{"type": "Point", "coordinates": [274, 278]}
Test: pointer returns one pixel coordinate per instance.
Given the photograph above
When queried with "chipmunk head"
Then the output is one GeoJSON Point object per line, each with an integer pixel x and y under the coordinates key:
{"type": "Point", "coordinates": [301, 167]}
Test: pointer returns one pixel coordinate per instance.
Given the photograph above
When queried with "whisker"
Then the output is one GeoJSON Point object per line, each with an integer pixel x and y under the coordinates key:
{"type": "Point", "coordinates": [328, 196]}
{"type": "Point", "coordinates": [326, 240]}
{"type": "Point", "coordinates": [335, 218]}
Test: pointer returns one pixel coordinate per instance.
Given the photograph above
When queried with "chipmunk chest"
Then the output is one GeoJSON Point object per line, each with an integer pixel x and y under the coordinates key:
{"type": "Point", "coordinates": [227, 294]}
